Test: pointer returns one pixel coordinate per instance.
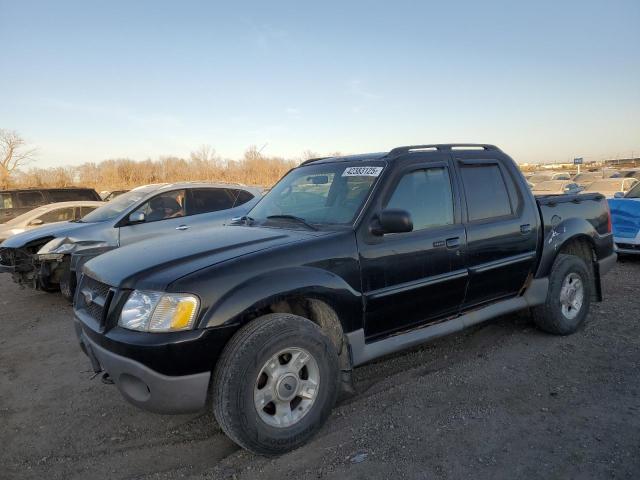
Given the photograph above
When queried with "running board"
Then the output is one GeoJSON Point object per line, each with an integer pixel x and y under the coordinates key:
{"type": "Point", "coordinates": [362, 352]}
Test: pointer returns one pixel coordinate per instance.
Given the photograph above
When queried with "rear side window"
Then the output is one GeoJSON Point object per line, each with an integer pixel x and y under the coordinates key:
{"type": "Point", "coordinates": [59, 215]}
{"type": "Point", "coordinates": [426, 195]}
{"type": "Point", "coordinates": [30, 199]}
{"type": "Point", "coordinates": [71, 195]}
{"type": "Point", "coordinates": [205, 200]}
{"type": "Point", "coordinates": [242, 197]}
{"type": "Point", "coordinates": [6, 200]}
{"type": "Point", "coordinates": [486, 191]}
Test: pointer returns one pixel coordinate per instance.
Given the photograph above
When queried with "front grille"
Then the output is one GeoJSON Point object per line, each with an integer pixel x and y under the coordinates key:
{"type": "Point", "coordinates": [628, 246]}
{"type": "Point", "coordinates": [93, 298]}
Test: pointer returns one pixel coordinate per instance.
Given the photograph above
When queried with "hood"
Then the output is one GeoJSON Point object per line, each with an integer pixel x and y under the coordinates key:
{"type": "Point", "coordinates": [61, 229]}
{"type": "Point", "coordinates": [625, 217]}
{"type": "Point", "coordinates": [154, 264]}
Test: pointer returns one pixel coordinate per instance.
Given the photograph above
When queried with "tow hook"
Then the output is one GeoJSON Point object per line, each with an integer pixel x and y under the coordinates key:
{"type": "Point", "coordinates": [106, 379]}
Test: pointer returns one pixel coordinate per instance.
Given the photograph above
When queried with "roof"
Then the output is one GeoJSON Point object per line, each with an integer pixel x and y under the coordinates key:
{"type": "Point", "coordinates": [401, 151]}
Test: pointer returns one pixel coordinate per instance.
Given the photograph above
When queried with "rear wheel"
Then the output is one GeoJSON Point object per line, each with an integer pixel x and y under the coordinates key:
{"type": "Point", "coordinates": [568, 298]}
{"type": "Point", "coordinates": [275, 383]}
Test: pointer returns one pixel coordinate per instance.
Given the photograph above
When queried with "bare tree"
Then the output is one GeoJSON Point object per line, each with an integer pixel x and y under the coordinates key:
{"type": "Point", "coordinates": [14, 152]}
{"type": "Point", "coordinates": [204, 153]}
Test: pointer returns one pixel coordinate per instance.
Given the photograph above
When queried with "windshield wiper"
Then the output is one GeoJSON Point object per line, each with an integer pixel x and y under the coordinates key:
{"type": "Point", "coordinates": [294, 218]}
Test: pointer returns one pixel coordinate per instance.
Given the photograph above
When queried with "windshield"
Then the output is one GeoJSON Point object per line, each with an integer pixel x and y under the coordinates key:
{"type": "Point", "coordinates": [538, 178]}
{"type": "Point", "coordinates": [22, 218]}
{"type": "Point", "coordinates": [606, 185]}
{"type": "Point", "coordinates": [115, 207]}
{"type": "Point", "coordinates": [549, 186]}
{"type": "Point", "coordinates": [586, 176]}
{"type": "Point", "coordinates": [634, 192]}
{"type": "Point", "coordinates": [330, 193]}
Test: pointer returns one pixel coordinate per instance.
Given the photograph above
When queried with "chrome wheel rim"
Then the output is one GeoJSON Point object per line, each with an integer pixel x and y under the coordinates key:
{"type": "Point", "coordinates": [286, 387]}
{"type": "Point", "coordinates": [571, 295]}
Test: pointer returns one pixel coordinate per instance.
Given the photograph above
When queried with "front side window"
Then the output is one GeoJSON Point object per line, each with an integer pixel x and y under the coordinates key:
{"type": "Point", "coordinates": [486, 191]}
{"type": "Point", "coordinates": [426, 195]}
{"type": "Point", "coordinates": [30, 199]}
{"type": "Point", "coordinates": [323, 194]}
{"type": "Point", "coordinates": [59, 215]}
{"type": "Point", "coordinates": [164, 206]}
{"type": "Point", "coordinates": [205, 200]}
{"type": "Point", "coordinates": [118, 206]}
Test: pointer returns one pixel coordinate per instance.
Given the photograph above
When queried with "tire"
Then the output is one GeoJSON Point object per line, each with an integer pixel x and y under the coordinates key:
{"type": "Point", "coordinates": [247, 371]}
{"type": "Point", "coordinates": [67, 282]}
{"type": "Point", "coordinates": [568, 298]}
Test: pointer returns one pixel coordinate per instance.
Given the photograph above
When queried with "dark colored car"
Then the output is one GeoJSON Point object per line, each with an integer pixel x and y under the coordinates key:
{"type": "Point", "coordinates": [343, 261]}
{"type": "Point", "coordinates": [17, 202]}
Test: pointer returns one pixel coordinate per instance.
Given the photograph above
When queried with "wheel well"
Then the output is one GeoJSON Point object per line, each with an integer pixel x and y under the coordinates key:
{"type": "Point", "coordinates": [580, 247]}
{"type": "Point", "coordinates": [320, 313]}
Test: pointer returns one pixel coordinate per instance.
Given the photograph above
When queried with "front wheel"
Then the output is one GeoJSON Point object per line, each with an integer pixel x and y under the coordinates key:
{"type": "Point", "coordinates": [568, 298]}
{"type": "Point", "coordinates": [275, 383]}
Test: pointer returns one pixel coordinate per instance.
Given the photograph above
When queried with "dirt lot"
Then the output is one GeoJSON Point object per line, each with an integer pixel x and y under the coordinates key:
{"type": "Point", "coordinates": [499, 401]}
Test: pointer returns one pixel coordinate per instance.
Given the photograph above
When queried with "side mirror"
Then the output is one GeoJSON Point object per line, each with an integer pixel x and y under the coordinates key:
{"type": "Point", "coordinates": [35, 222]}
{"type": "Point", "coordinates": [618, 195]}
{"type": "Point", "coordinates": [136, 217]}
{"type": "Point", "coordinates": [392, 220]}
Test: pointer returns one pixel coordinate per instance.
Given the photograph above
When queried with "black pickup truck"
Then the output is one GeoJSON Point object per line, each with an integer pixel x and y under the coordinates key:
{"type": "Point", "coordinates": [345, 260]}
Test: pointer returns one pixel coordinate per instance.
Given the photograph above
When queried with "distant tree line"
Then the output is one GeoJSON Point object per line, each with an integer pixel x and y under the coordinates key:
{"type": "Point", "coordinates": [204, 164]}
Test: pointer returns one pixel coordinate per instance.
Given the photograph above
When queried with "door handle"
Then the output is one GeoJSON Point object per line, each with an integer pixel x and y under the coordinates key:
{"type": "Point", "coordinates": [183, 227]}
{"type": "Point", "coordinates": [453, 242]}
{"type": "Point", "coordinates": [524, 229]}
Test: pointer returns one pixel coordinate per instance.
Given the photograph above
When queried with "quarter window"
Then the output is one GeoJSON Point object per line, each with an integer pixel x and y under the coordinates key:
{"type": "Point", "coordinates": [486, 191]}
{"type": "Point", "coordinates": [426, 195]}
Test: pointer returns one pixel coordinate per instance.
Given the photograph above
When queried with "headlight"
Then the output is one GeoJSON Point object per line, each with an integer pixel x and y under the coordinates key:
{"type": "Point", "coordinates": [57, 245]}
{"type": "Point", "coordinates": [159, 312]}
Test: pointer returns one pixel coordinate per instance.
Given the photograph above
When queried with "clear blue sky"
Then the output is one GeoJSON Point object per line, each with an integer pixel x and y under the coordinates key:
{"type": "Point", "coordinates": [547, 81]}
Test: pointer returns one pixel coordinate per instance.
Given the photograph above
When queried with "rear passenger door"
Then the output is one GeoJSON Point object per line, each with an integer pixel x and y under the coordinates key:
{"type": "Point", "coordinates": [501, 230]}
{"type": "Point", "coordinates": [210, 206]}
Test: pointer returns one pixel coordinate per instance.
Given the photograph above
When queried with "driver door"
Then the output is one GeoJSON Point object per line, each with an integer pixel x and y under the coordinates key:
{"type": "Point", "coordinates": [158, 222]}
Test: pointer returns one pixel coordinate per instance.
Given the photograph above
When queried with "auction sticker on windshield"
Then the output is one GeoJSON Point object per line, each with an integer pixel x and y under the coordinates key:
{"type": "Point", "coordinates": [362, 172]}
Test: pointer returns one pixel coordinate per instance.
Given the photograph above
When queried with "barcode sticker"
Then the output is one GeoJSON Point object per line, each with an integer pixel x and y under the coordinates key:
{"type": "Point", "coordinates": [362, 172]}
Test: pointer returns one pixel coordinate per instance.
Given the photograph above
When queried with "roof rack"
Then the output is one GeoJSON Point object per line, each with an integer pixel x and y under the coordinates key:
{"type": "Point", "coordinates": [441, 147]}
{"type": "Point", "coordinates": [313, 160]}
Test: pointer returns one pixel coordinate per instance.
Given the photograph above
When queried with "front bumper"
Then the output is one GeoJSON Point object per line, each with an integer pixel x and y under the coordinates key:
{"type": "Point", "coordinates": [144, 387]}
{"type": "Point", "coordinates": [629, 246]}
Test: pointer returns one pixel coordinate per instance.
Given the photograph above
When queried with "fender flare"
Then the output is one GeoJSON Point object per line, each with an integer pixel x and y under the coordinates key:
{"type": "Point", "coordinates": [276, 285]}
{"type": "Point", "coordinates": [558, 236]}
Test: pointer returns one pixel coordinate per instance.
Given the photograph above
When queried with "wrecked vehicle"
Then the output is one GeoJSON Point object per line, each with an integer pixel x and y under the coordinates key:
{"type": "Point", "coordinates": [345, 260]}
{"type": "Point", "coordinates": [48, 258]}
{"type": "Point", "coordinates": [47, 214]}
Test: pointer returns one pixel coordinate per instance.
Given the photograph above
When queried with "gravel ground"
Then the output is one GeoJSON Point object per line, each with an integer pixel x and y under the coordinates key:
{"type": "Point", "coordinates": [498, 401]}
